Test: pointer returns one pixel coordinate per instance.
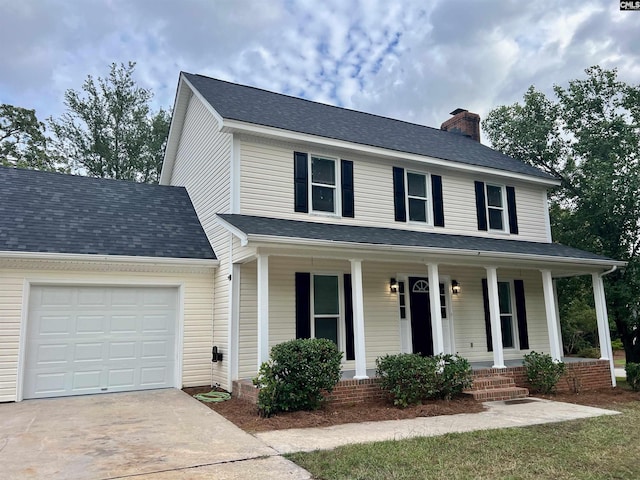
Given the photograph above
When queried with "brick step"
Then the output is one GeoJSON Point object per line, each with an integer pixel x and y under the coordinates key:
{"type": "Point", "coordinates": [489, 383]}
{"type": "Point", "coordinates": [494, 394]}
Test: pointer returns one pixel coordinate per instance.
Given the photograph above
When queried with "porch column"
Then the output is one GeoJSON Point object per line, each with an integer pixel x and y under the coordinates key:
{"type": "Point", "coordinates": [606, 352]}
{"type": "Point", "coordinates": [555, 298]}
{"type": "Point", "coordinates": [357, 296]}
{"type": "Point", "coordinates": [263, 308]}
{"type": "Point", "coordinates": [552, 321]}
{"type": "Point", "coordinates": [494, 313]}
{"type": "Point", "coordinates": [436, 312]}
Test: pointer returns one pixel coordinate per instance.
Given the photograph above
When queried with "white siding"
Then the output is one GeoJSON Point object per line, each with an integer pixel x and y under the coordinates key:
{"type": "Point", "coordinates": [198, 307]}
{"type": "Point", "coordinates": [266, 189]}
{"type": "Point", "coordinates": [248, 325]}
{"type": "Point", "coordinates": [382, 319]}
{"type": "Point", "coordinates": [202, 165]}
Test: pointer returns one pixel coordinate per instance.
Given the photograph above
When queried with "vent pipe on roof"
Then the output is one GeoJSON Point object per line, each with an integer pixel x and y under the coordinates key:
{"type": "Point", "coordinates": [463, 122]}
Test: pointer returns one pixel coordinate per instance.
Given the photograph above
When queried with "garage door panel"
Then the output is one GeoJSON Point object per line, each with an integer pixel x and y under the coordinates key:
{"type": "Point", "coordinates": [105, 339]}
{"type": "Point", "coordinates": [90, 324]}
{"type": "Point", "coordinates": [88, 352]}
{"type": "Point", "coordinates": [54, 325]}
{"type": "Point", "coordinates": [50, 354]}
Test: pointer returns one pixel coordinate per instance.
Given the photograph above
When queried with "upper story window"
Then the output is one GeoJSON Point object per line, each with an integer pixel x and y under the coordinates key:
{"type": "Point", "coordinates": [496, 208]}
{"type": "Point", "coordinates": [417, 200]}
{"type": "Point", "coordinates": [417, 197]}
{"type": "Point", "coordinates": [323, 185]}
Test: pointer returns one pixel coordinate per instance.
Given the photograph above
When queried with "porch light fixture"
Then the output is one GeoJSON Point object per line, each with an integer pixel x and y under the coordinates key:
{"type": "Point", "coordinates": [455, 287]}
{"type": "Point", "coordinates": [393, 285]}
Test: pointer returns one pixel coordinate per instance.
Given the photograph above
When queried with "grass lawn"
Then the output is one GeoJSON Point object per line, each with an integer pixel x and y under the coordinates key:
{"type": "Point", "coordinates": [597, 448]}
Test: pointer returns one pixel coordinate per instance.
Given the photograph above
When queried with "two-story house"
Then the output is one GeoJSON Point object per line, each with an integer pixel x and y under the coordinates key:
{"type": "Point", "coordinates": [381, 235]}
{"type": "Point", "coordinates": [280, 218]}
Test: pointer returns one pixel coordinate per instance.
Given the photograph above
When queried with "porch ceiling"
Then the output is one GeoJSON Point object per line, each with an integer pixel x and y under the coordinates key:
{"type": "Point", "coordinates": [263, 231]}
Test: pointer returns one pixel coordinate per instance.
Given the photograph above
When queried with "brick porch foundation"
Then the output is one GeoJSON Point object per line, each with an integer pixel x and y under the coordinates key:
{"type": "Point", "coordinates": [580, 376]}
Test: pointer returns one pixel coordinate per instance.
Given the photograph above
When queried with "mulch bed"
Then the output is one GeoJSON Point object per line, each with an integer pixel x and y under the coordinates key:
{"type": "Point", "coordinates": [245, 414]}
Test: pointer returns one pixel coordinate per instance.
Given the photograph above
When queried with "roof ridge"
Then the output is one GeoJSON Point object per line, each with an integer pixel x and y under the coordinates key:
{"type": "Point", "coordinates": [319, 103]}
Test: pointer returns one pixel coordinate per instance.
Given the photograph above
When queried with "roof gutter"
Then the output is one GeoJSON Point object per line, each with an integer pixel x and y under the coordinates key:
{"type": "Point", "coordinates": [611, 270]}
{"type": "Point", "coordinates": [121, 259]}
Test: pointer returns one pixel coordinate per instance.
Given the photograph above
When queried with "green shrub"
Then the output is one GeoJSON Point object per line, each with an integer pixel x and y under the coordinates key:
{"type": "Point", "coordinates": [616, 344]}
{"type": "Point", "coordinates": [589, 352]}
{"type": "Point", "coordinates": [542, 372]}
{"type": "Point", "coordinates": [411, 378]}
{"type": "Point", "coordinates": [633, 375]}
{"type": "Point", "coordinates": [456, 375]}
{"type": "Point", "coordinates": [297, 375]}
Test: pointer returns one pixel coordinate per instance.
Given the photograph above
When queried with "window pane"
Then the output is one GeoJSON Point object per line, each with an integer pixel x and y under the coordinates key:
{"type": "Point", "coordinates": [323, 199]}
{"type": "Point", "coordinates": [403, 312]}
{"type": "Point", "coordinates": [495, 219]}
{"type": "Point", "coordinates": [327, 328]}
{"type": "Point", "coordinates": [323, 171]}
{"type": "Point", "coordinates": [402, 300]}
{"type": "Point", "coordinates": [504, 296]}
{"type": "Point", "coordinates": [417, 210]}
{"type": "Point", "coordinates": [401, 287]}
{"type": "Point", "coordinates": [417, 185]}
{"type": "Point", "coordinates": [494, 196]}
{"type": "Point", "coordinates": [507, 331]}
{"type": "Point", "coordinates": [325, 295]}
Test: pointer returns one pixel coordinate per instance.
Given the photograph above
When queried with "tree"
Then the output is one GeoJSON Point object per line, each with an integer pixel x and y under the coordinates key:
{"type": "Point", "coordinates": [589, 137]}
{"type": "Point", "coordinates": [23, 143]}
{"type": "Point", "coordinates": [109, 130]}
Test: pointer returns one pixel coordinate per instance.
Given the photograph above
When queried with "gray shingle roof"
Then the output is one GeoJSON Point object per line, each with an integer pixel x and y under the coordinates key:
{"type": "Point", "coordinates": [57, 213]}
{"type": "Point", "coordinates": [261, 107]}
{"type": "Point", "coordinates": [251, 225]}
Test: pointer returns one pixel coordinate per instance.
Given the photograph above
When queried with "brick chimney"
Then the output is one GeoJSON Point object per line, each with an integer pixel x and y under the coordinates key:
{"type": "Point", "coordinates": [463, 122]}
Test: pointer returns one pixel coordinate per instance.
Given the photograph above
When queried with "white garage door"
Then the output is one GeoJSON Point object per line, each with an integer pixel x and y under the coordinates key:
{"type": "Point", "coordinates": [83, 340]}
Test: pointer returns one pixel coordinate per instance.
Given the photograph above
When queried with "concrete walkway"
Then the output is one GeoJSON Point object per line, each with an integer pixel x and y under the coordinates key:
{"type": "Point", "coordinates": [166, 435]}
{"type": "Point", "coordinates": [518, 413]}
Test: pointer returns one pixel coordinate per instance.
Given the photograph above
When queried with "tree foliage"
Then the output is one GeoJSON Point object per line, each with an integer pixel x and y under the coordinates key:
{"type": "Point", "coordinates": [23, 142]}
{"type": "Point", "coordinates": [109, 130]}
{"type": "Point", "coordinates": [589, 137]}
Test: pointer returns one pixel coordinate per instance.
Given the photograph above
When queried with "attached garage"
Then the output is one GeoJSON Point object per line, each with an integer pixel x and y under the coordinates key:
{"type": "Point", "coordinates": [84, 340]}
{"type": "Point", "coordinates": [105, 286]}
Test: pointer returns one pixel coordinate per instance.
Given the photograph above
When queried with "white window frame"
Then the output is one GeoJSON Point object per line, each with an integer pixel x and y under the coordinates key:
{"type": "Point", "coordinates": [342, 345]}
{"type": "Point", "coordinates": [428, 198]}
{"type": "Point", "coordinates": [337, 200]}
{"type": "Point", "coordinates": [513, 314]}
{"type": "Point", "coordinates": [504, 208]}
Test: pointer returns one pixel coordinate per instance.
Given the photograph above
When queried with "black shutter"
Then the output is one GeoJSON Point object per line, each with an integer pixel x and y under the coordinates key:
{"type": "Point", "coordinates": [347, 188]}
{"type": "Point", "coordinates": [487, 314]}
{"type": "Point", "coordinates": [398, 194]}
{"type": "Point", "coordinates": [481, 206]}
{"type": "Point", "coordinates": [438, 206]}
{"type": "Point", "coordinates": [511, 205]}
{"type": "Point", "coordinates": [348, 317]}
{"type": "Point", "coordinates": [300, 182]}
{"type": "Point", "coordinates": [303, 305]}
{"type": "Point", "coordinates": [521, 313]}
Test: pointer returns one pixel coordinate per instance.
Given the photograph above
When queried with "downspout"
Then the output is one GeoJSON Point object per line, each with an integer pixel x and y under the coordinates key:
{"type": "Point", "coordinates": [609, 348]}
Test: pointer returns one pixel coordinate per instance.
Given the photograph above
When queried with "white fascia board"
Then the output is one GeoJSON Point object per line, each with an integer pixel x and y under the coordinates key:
{"type": "Point", "coordinates": [204, 101]}
{"type": "Point", "coordinates": [267, 239]}
{"type": "Point", "coordinates": [84, 257]}
{"type": "Point", "coordinates": [244, 239]}
{"type": "Point", "coordinates": [175, 131]}
{"type": "Point", "coordinates": [236, 126]}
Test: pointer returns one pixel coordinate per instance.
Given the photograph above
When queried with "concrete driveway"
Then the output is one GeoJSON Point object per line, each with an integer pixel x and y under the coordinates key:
{"type": "Point", "coordinates": [158, 434]}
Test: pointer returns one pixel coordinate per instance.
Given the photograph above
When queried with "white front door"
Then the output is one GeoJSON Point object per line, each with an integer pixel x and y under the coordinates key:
{"type": "Point", "coordinates": [84, 340]}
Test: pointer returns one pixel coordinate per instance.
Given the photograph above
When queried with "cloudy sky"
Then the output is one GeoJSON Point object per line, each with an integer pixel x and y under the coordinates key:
{"type": "Point", "coordinates": [413, 60]}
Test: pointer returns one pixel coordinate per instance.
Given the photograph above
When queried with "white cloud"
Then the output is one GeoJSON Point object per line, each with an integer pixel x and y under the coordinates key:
{"type": "Point", "coordinates": [413, 60]}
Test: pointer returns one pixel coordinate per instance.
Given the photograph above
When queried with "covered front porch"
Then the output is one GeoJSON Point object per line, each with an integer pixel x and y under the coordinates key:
{"type": "Point", "coordinates": [494, 303]}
